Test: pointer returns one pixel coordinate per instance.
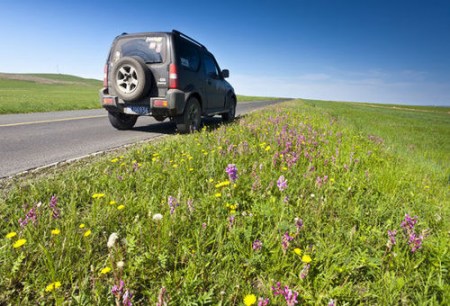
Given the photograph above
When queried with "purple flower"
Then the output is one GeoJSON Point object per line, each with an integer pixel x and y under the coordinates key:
{"type": "Point", "coordinates": [53, 206]}
{"type": "Point", "coordinates": [173, 203]}
{"type": "Point", "coordinates": [282, 183]}
{"type": "Point", "coordinates": [127, 298]}
{"type": "Point", "coordinates": [331, 303]}
{"type": "Point", "coordinates": [263, 301]}
{"type": "Point", "coordinates": [257, 245]}
{"type": "Point", "coordinates": [298, 224]}
{"type": "Point", "coordinates": [391, 241]}
{"type": "Point", "coordinates": [289, 295]}
{"type": "Point", "coordinates": [117, 291]}
{"type": "Point", "coordinates": [231, 170]}
{"type": "Point", "coordinates": [414, 240]}
{"type": "Point", "coordinates": [408, 223]}
{"type": "Point", "coordinates": [231, 221]}
{"type": "Point", "coordinates": [305, 271]}
{"type": "Point", "coordinates": [285, 241]}
{"type": "Point", "coordinates": [30, 216]}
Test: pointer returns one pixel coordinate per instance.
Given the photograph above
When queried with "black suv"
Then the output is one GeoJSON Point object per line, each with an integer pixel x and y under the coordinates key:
{"type": "Point", "coordinates": [164, 75]}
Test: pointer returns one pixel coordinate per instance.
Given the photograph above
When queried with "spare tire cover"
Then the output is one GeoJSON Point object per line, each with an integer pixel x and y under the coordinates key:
{"type": "Point", "coordinates": [131, 78]}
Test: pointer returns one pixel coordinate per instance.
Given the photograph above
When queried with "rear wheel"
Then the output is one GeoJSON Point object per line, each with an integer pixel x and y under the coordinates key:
{"type": "Point", "coordinates": [191, 119]}
{"type": "Point", "coordinates": [122, 121]}
{"type": "Point", "coordinates": [131, 78]}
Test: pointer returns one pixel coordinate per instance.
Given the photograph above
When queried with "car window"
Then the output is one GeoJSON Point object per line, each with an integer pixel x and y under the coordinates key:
{"type": "Point", "coordinates": [188, 56]}
{"type": "Point", "coordinates": [211, 69]}
{"type": "Point", "coordinates": [151, 49]}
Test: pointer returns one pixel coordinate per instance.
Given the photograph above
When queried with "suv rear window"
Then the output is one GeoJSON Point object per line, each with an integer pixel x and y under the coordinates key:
{"type": "Point", "coordinates": [152, 49]}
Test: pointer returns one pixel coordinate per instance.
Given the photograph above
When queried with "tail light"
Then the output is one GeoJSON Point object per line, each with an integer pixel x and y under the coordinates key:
{"type": "Point", "coordinates": [173, 76]}
{"type": "Point", "coordinates": [105, 76]}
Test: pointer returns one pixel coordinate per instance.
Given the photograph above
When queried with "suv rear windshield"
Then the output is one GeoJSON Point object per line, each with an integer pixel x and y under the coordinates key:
{"type": "Point", "coordinates": [152, 49]}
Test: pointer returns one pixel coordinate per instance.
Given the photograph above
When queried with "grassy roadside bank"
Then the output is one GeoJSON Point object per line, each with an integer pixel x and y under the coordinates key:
{"type": "Point", "coordinates": [27, 93]}
{"type": "Point", "coordinates": [301, 202]}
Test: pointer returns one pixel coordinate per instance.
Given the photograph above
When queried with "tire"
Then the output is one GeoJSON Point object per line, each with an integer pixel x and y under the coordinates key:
{"type": "Point", "coordinates": [231, 114]}
{"type": "Point", "coordinates": [191, 119]}
{"type": "Point", "coordinates": [159, 118]}
{"type": "Point", "coordinates": [131, 78]}
{"type": "Point", "coordinates": [122, 121]}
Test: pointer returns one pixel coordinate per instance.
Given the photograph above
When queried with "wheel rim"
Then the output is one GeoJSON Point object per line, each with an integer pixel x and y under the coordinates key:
{"type": "Point", "coordinates": [127, 79]}
{"type": "Point", "coordinates": [194, 118]}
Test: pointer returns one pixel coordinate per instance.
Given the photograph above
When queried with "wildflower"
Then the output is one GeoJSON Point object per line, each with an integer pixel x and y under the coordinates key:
{"type": "Point", "coordinates": [98, 195]}
{"type": "Point", "coordinates": [173, 203]}
{"type": "Point", "coordinates": [305, 271]}
{"type": "Point", "coordinates": [298, 251]}
{"type": "Point", "coordinates": [331, 302]}
{"type": "Point", "coordinates": [231, 221]}
{"type": "Point", "coordinates": [414, 240]}
{"type": "Point", "coordinates": [409, 223]}
{"type": "Point", "coordinates": [223, 184]}
{"type": "Point", "coordinates": [190, 205]}
{"type": "Point", "coordinates": [112, 202]}
{"type": "Point", "coordinates": [257, 245]}
{"type": "Point", "coordinates": [87, 233]}
{"type": "Point", "coordinates": [306, 259]}
{"type": "Point", "coordinates": [157, 217]}
{"type": "Point", "coordinates": [289, 295]}
{"type": "Point", "coordinates": [114, 160]}
{"type": "Point", "coordinates": [121, 207]}
{"type": "Point", "coordinates": [204, 225]}
{"type": "Point", "coordinates": [217, 194]}
{"type": "Point", "coordinates": [52, 286]}
{"type": "Point", "coordinates": [117, 291]}
{"type": "Point", "coordinates": [11, 235]}
{"type": "Point", "coordinates": [249, 299]}
{"type": "Point", "coordinates": [231, 170]}
{"type": "Point", "coordinates": [82, 225]}
{"type": "Point", "coordinates": [19, 243]}
{"type": "Point", "coordinates": [282, 183]}
{"type": "Point", "coordinates": [263, 302]}
{"type": "Point", "coordinates": [30, 216]}
{"type": "Point", "coordinates": [127, 298]}
{"type": "Point", "coordinates": [55, 231]}
{"type": "Point", "coordinates": [285, 241]}
{"type": "Point", "coordinates": [53, 206]}
{"type": "Point", "coordinates": [298, 224]}
{"type": "Point", "coordinates": [105, 270]}
{"type": "Point", "coordinates": [112, 240]}
{"type": "Point", "coordinates": [391, 242]}
{"type": "Point", "coordinates": [120, 264]}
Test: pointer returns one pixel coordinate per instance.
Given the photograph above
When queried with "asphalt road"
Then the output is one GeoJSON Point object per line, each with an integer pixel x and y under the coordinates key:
{"type": "Point", "coordinates": [33, 141]}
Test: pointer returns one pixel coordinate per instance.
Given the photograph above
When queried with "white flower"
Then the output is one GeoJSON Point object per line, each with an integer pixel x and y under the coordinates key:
{"type": "Point", "coordinates": [120, 264]}
{"type": "Point", "coordinates": [112, 240]}
{"type": "Point", "coordinates": [157, 217]}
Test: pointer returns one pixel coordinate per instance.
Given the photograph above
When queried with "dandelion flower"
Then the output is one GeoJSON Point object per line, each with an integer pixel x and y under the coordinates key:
{"type": "Point", "coordinates": [19, 243]}
{"type": "Point", "coordinates": [112, 202]}
{"type": "Point", "coordinates": [120, 264]}
{"type": "Point", "coordinates": [120, 207]}
{"type": "Point", "coordinates": [98, 195]}
{"type": "Point", "coordinates": [11, 235]}
{"type": "Point", "coordinates": [157, 217]}
{"type": "Point", "coordinates": [105, 270]}
{"type": "Point", "coordinates": [82, 225]}
{"type": "Point", "coordinates": [298, 251]}
{"type": "Point", "coordinates": [112, 240]}
{"type": "Point", "coordinates": [56, 231]}
{"type": "Point", "coordinates": [114, 160]}
{"type": "Point", "coordinates": [249, 299]}
{"type": "Point", "coordinates": [306, 259]}
{"type": "Point", "coordinates": [52, 286]}
{"type": "Point", "coordinates": [218, 195]}
{"type": "Point", "coordinates": [223, 184]}
{"type": "Point", "coordinates": [87, 233]}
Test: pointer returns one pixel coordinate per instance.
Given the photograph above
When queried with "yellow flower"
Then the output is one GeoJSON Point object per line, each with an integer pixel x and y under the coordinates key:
{"type": "Point", "coordinates": [306, 259]}
{"type": "Point", "coordinates": [250, 299]}
{"type": "Point", "coordinates": [267, 148]}
{"type": "Point", "coordinates": [105, 270]}
{"type": "Point", "coordinates": [191, 169]}
{"type": "Point", "coordinates": [52, 286]}
{"type": "Point", "coordinates": [218, 195]}
{"type": "Point", "coordinates": [284, 168]}
{"type": "Point", "coordinates": [120, 207]}
{"type": "Point", "coordinates": [56, 231]}
{"type": "Point", "coordinates": [211, 180]}
{"type": "Point", "coordinates": [82, 225]}
{"type": "Point", "coordinates": [112, 202]}
{"type": "Point", "coordinates": [87, 233]}
{"type": "Point", "coordinates": [19, 243]}
{"type": "Point", "coordinates": [297, 251]}
{"type": "Point", "coordinates": [223, 184]}
{"type": "Point", "coordinates": [98, 195]}
{"type": "Point", "coordinates": [11, 235]}
{"type": "Point", "coordinates": [114, 160]}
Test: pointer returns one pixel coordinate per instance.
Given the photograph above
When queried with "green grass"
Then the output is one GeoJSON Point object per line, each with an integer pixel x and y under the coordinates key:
{"type": "Point", "coordinates": [27, 93]}
{"type": "Point", "coordinates": [348, 182]}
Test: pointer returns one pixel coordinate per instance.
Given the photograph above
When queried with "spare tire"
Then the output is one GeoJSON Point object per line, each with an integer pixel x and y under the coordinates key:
{"type": "Point", "coordinates": [131, 78]}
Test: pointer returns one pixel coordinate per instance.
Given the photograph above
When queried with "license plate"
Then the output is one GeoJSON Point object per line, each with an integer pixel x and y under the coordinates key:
{"type": "Point", "coordinates": [136, 110]}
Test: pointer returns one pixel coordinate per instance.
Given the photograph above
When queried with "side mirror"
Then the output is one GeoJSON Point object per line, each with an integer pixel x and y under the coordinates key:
{"type": "Point", "coordinates": [226, 73]}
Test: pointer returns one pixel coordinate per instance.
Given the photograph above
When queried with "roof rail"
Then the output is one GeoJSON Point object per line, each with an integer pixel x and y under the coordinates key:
{"type": "Point", "coordinates": [189, 38]}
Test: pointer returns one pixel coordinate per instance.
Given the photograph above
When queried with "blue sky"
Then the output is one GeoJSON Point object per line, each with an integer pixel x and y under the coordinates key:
{"type": "Point", "coordinates": [384, 51]}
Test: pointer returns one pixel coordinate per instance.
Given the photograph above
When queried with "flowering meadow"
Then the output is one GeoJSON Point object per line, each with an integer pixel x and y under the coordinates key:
{"type": "Point", "coordinates": [292, 205]}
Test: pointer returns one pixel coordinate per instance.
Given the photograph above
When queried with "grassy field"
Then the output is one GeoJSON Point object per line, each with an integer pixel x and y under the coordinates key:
{"type": "Point", "coordinates": [311, 202]}
{"type": "Point", "coordinates": [27, 93]}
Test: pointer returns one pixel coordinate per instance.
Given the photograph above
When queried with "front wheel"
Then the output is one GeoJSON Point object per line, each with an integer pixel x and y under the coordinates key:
{"type": "Point", "coordinates": [191, 119]}
{"type": "Point", "coordinates": [122, 121]}
{"type": "Point", "coordinates": [231, 114]}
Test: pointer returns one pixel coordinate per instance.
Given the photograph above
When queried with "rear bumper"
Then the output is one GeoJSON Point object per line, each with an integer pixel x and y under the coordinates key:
{"type": "Point", "coordinates": [170, 105]}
